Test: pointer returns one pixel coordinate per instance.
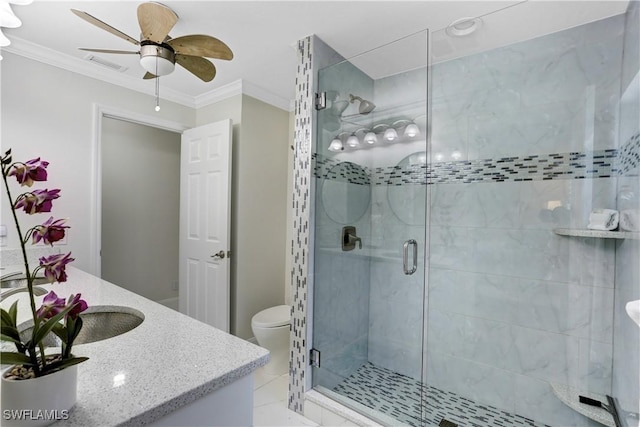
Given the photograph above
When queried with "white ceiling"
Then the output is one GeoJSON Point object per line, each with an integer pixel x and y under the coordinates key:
{"type": "Point", "coordinates": [263, 35]}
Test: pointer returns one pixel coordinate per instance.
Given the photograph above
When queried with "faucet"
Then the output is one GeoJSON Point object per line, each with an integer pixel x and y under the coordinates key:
{"type": "Point", "coordinates": [353, 239]}
{"type": "Point", "coordinates": [37, 291]}
{"type": "Point", "coordinates": [349, 239]}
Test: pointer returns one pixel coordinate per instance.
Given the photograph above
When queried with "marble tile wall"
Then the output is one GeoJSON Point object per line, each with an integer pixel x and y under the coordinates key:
{"type": "Point", "coordinates": [513, 306]}
{"type": "Point", "coordinates": [626, 350]}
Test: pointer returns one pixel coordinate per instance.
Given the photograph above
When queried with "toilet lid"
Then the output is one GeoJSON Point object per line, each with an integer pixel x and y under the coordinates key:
{"type": "Point", "coordinates": [271, 317]}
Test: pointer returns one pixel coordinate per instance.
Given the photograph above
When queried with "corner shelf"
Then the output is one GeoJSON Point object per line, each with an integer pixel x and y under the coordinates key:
{"type": "Point", "coordinates": [569, 396]}
{"type": "Point", "coordinates": [600, 234]}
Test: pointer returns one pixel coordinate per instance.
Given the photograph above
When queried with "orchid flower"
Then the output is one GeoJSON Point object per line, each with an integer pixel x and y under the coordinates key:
{"type": "Point", "coordinates": [80, 305]}
{"type": "Point", "coordinates": [37, 201]}
{"type": "Point", "coordinates": [49, 232]}
{"type": "Point", "coordinates": [51, 305]}
{"type": "Point", "coordinates": [54, 267]}
{"type": "Point", "coordinates": [30, 171]}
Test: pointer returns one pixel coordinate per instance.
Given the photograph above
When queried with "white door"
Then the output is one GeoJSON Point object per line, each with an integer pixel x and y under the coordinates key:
{"type": "Point", "coordinates": [205, 180]}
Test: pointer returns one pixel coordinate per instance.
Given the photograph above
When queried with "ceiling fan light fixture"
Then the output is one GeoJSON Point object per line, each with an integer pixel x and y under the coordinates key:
{"type": "Point", "coordinates": [157, 60]}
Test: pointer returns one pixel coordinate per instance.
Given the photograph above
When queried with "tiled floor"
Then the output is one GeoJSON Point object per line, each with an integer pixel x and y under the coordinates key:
{"type": "Point", "coordinates": [399, 396]}
{"type": "Point", "coordinates": [270, 402]}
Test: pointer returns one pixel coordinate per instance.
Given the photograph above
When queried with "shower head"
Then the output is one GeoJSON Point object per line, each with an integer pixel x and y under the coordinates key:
{"type": "Point", "coordinates": [365, 106]}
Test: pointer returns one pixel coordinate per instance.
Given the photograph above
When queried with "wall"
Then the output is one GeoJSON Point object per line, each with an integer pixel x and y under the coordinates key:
{"type": "Point", "coordinates": [48, 112]}
{"type": "Point", "coordinates": [512, 306]}
{"type": "Point", "coordinates": [140, 208]}
{"type": "Point", "coordinates": [258, 204]}
{"type": "Point", "coordinates": [626, 350]}
{"type": "Point", "coordinates": [259, 211]}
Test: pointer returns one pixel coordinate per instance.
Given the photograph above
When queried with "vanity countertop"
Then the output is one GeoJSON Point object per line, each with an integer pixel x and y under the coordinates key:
{"type": "Point", "coordinates": [170, 360]}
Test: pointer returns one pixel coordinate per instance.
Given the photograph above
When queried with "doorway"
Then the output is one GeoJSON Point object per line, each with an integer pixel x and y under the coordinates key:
{"type": "Point", "coordinates": [140, 174]}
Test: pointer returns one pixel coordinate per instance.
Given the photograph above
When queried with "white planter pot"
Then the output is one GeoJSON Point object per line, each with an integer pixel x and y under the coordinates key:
{"type": "Point", "coordinates": [39, 401]}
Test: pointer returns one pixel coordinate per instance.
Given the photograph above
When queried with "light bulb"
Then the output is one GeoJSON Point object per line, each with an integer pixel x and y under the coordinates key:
{"type": "Point", "coordinates": [157, 108]}
{"type": "Point", "coordinates": [390, 134]}
{"type": "Point", "coordinates": [370, 138]}
{"type": "Point", "coordinates": [439, 157]}
{"type": "Point", "coordinates": [353, 141]}
{"type": "Point", "coordinates": [456, 155]}
{"type": "Point", "coordinates": [336, 145]}
{"type": "Point", "coordinates": [412, 130]}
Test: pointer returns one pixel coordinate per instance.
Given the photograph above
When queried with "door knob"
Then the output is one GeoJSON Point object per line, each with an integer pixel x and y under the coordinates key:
{"type": "Point", "coordinates": [219, 255]}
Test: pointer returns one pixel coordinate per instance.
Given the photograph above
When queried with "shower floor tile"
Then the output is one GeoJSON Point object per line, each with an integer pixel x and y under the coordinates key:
{"type": "Point", "coordinates": [398, 396]}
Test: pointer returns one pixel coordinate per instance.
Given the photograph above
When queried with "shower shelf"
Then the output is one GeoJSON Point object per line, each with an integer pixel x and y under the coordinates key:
{"type": "Point", "coordinates": [575, 232]}
{"type": "Point", "coordinates": [569, 396]}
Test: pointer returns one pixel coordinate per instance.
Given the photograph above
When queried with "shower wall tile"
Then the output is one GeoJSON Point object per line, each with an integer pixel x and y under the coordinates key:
{"type": "Point", "coordinates": [555, 307]}
{"type": "Point", "coordinates": [626, 352]}
{"type": "Point", "coordinates": [475, 381]}
{"type": "Point", "coordinates": [534, 399]}
{"type": "Point", "coordinates": [557, 93]}
{"type": "Point", "coordinates": [523, 253]}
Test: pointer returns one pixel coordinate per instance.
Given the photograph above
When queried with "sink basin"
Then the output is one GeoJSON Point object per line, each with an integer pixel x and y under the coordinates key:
{"type": "Point", "coordinates": [100, 322]}
{"type": "Point", "coordinates": [20, 281]}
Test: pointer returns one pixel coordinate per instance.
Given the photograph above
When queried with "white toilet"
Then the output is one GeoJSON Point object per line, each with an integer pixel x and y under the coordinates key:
{"type": "Point", "coordinates": [271, 329]}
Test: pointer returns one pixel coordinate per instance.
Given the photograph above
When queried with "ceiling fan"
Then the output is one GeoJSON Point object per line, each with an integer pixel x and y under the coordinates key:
{"type": "Point", "coordinates": [158, 51]}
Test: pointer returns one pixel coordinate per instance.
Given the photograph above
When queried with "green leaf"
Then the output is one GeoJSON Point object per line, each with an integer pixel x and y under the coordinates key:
{"type": "Point", "coordinates": [9, 338]}
{"type": "Point", "coordinates": [13, 312]}
{"type": "Point", "coordinates": [60, 331]}
{"type": "Point", "coordinates": [6, 319]}
{"type": "Point", "coordinates": [11, 358]}
{"type": "Point", "coordinates": [74, 329]}
{"type": "Point", "coordinates": [62, 364]}
{"type": "Point", "coordinates": [39, 332]}
{"type": "Point", "coordinates": [10, 331]}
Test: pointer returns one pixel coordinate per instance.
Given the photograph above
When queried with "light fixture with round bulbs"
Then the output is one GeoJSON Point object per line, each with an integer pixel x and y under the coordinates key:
{"type": "Point", "coordinates": [336, 145]}
{"type": "Point", "coordinates": [390, 135]}
{"type": "Point", "coordinates": [353, 141]}
{"type": "Point", "coordinates": [412, 130]}
{"type": "Point", "coordinates": [370, 138]}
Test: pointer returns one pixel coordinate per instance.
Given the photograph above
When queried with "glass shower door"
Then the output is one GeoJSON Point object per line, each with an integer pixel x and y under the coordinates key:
{"type": "Point", "coordinates": [370, 168]}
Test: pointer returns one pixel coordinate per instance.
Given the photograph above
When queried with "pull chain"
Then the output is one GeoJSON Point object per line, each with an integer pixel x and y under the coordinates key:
{"type": "Point", "coordinates": [157, 87]}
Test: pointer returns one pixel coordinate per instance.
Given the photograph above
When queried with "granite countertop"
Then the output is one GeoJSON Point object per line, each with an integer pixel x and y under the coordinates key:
{"type": "Point", "coordinates": [168, 361]}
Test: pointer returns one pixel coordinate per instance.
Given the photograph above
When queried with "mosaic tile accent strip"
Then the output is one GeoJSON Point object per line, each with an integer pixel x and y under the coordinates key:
{"type": "Point", "coordinates": [300, 241]}
{"type": "Point", "coordinates": [399, 396]}
{"type": "Point", "coordinates": [595, 164]}
{"type": "Point", "coordinates": [326, 168]}
{"type": "Point", "coordinates": [629, 156]}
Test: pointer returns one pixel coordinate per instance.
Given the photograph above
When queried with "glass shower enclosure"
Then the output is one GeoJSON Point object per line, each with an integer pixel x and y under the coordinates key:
{"type": "Point", "coordinates": [370, 167]}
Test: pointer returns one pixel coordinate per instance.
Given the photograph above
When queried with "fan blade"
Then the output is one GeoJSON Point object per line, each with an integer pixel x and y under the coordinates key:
{"type": "Point", "coordinates": [148, 76]}
{"type": "Point", "coordinates": [156, 21]}
{"type": "Point", "coordinates": [98, 23]}
{"type": "Point", "coordinates": [130, 52]}
{"type": "Point", "coordinates": [201, 45]}
{"type": "Point", "coordinates": [199, 67]}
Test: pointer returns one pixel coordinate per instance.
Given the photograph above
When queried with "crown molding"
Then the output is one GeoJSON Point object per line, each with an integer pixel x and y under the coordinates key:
{"type": "Point", "coordinates": [70, 63]}
{"type": "Point", "coordinates": [52, 57]}
{"type": "Point", "coordinates": [219, 94]}
{"type": "Point", "coordinates": [242, 87]}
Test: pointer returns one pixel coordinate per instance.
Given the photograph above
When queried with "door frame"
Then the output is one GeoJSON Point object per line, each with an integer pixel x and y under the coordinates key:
{"type": "Point", "coordinates": [100, 112]}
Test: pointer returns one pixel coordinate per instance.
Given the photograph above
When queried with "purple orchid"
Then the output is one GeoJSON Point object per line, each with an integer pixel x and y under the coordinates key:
{"type": "Point", "coordinates": [30, 171]}
{"type": "Point", "coordinates": [37, 201]}
{"type": "Point", "coordinates": [49, 232]}
{"type": "Point", "coordinates": [54, 267]}
{"type": "Point", "coordinates": [51, 305]}
{"type": "Point", "coordinates": [80, 305]}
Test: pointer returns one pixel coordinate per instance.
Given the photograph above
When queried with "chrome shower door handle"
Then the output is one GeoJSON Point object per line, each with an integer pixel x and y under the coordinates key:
{"type": "Point", "coordinates": [405, 257]}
